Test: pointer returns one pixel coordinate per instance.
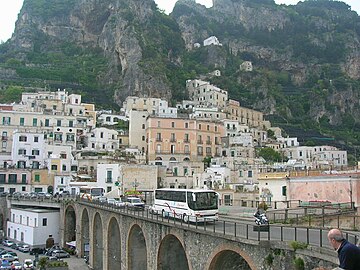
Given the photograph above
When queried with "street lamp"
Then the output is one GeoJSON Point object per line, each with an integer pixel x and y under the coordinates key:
{"type": "Point", "coordinates": [135, 184]}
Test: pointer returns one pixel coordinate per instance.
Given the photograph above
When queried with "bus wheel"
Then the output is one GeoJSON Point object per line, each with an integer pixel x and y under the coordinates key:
{"type": "Point", "coordinates": [185, 218]}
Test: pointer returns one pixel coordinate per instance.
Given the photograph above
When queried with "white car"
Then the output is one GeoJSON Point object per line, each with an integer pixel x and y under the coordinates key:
{"type": "Point", "coordinates": [24, 248]}
{"type": "Point", "coordinates": [28, 264]}
{"type": "Point", "coordinates": [8, 257]}
{"type": "Point", "coordinates": [135, 203]}
{"type": "Point", "coordinates": [16, 265]}
{"type": "Point", "coordinates": [8, 243]}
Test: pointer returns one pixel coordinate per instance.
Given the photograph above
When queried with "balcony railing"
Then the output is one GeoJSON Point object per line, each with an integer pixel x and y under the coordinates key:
{"type": "Point", "coordinates": [200, 142]}
{"type": "Point", "coordinates": [4, 138]}
{"type": "Point", "coordinates": [173, 140]}
{"type": "Point", "coordinates": [159, 139]}
{"type": "Point", "coordinates": [208, 142]}
{"type": "Point", "coordinates": [186, 140]}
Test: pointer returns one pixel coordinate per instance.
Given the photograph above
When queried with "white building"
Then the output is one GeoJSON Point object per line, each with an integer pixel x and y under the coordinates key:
{"type": "Point", "coordinates": [212, 41]}
{"type": "Point", "coordinates": [33, 226]}
{"type": "Point", "coordinates": [109, 119]}
{"type": "Point", "coordinates": [246, 66]}
{"type": "Point", "coordinates": [103, 139]}
{"type": "Point", "coordinates": [28, 150]}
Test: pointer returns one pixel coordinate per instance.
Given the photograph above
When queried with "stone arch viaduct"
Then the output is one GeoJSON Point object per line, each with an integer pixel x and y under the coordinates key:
{"type": "Point", "coordinates": [129, 240]}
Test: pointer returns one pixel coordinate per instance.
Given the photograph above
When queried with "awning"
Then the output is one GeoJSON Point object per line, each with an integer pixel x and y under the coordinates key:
{"type": "Point", "coordinates": [71, 244]}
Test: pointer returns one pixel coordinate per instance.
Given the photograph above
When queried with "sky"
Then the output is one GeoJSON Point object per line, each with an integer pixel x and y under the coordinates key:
{"type": "Point", "coordinates": [9, 10]}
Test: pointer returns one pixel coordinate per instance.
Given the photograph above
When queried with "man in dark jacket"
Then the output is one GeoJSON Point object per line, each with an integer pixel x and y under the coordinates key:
{"type": "Point", "coordinates": [349, 254]}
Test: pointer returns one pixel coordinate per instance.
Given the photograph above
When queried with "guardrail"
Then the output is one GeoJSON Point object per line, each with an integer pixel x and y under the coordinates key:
{"type": "Point", "coordinates": [243, 230]}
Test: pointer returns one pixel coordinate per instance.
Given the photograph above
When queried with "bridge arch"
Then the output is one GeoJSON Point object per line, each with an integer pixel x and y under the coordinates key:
{"type": "Point", "coordinates": [114, 245]}
{"type": "Point", "coordinates": [98, 243]}
{"type": "Point", "coordinates": [137, 249]}
{"type": "Point", "coordinates": [225, 257]}
{"type": "Point", "coordinates": [85, 232]}
{"type": "Point", "coordinates": [171, 254]}
{"type": "Point", "coordinates": [70, 224]}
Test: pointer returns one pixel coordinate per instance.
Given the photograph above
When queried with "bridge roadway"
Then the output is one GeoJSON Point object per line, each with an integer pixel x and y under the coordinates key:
{"type": "Point", "coordinates": [117, 236]}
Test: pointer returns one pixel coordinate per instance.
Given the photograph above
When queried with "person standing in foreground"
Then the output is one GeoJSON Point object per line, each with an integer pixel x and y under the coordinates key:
{"type": "Point", "coordinates": [349, 254]}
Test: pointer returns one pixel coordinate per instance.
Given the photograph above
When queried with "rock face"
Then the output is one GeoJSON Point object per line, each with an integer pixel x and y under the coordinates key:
{"type": "Point", "coordinates": [106, 24]}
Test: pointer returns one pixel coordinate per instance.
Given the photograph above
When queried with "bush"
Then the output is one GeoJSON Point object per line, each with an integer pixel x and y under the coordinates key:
{"type": "Point", "coordinates": [299, 264]}
{"type": "Point", "coordinates": [298, 245]}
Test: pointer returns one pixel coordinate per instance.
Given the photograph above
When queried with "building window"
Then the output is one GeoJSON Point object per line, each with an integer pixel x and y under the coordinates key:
{"type": "Point", "coordinates": [47, 122]}
{"type": "Point", "coordinates": [22, 139]}
{"type": "Point", "coordinates": [283, 190]}
{"type": "Point", "coordinates": [172, 124]}
{"type": "Point", "coordinates": [250, 173]}
{"type": "Point", "coordinates": [37, 177]}
{"type": "Point", "coordinates": [12, 178]}
{"type": "Point", "coordinates": [64, 168]}
{"type": "Point", "coordinates": [35, 152]}
{"type": "Point", "coordinates": [101, 134]}
{"type": "Point", "coordinates": [22, 152]}
{"type": "Point", "coordinates": [158, 137]}
{"type": "Point", "coordinates": [23, 178]}
{"type": "Point", "coordinates": [158, 124]}
{"type": "Point", "coordinates": [53, 167]}
{"type": "Point", "coordinates": [63, 155]}
{"type": "Point", "coordinates": [6, 120]}
{"type": "Point", "coordinates": [2, 178]}
{"type": "Point", "coordinates": [36, 165]}
{"type": "Point", "coordinates": [186, 125]}
{"type": "Point", "coordinates": [44, 222]}
{"type": "Point", "coordinates": [108, 189]}
{"type": "Point", "coordinates": [143, 138]}
{"type": "Point", "coordinates": [71, 123]}
{"type": "Point", "coordinates": [58, 123]}
{"type": "Point", "coordinates": [108, 176]}
{"type": "Point", "coordinates": [22, 121]}
{"type": "Point", "coordinates": [34, 122]}
{"type": "Point", "coordinates": [143, 126]}
{"type": "Point", "coordinates": [58, 137]}
{"type": "Point", "coordinates": [70, 137]}
{"type": "Point", "coordinates": [172, 137]}
{"type": "Point", "coordinates": [36, 139]}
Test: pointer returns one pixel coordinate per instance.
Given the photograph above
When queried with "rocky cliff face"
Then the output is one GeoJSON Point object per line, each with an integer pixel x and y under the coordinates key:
{"type": "Point", "coordinates": [108, 25]}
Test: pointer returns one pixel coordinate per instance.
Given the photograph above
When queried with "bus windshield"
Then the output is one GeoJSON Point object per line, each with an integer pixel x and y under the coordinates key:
{"type": "Point", "coordinates": [203, 200]}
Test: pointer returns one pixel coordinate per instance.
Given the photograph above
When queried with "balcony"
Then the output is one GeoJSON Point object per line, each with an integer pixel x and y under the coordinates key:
{"type": "Point", "coordinates": [4, 138]}
{"type": "Point", "coordinates": [200, 141]}
{"type": "Point", "coordinates": [172, 140]}
{"type": "Point", "coordinates": [208, 142]}
{"type": "Point", "coordinates": [186, 140]}
{"type": "Point", "coordinates": [159, 139]}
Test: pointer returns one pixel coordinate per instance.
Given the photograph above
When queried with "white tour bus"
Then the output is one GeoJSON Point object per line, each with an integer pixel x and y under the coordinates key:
{"type": "Point", "coordinates": [187, 204]}
{"type": "Point", "coordinates": [91, 193]}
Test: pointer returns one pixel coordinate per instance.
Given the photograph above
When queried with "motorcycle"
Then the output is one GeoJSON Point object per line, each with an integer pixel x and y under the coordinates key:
{"type": "Point", "coordinates": [261, 219]}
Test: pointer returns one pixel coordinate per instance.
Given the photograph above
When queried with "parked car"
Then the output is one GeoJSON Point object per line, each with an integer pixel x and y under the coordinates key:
{"type": "Point", "coordinates": [8, 243]}
{"type": "Point", "coordinates": [24, 248]}
{"type": "Point", "coordinates": [115, 202]}
{"type": "Point", "coordinates": [37, 250]}
{"type": "Point", "coordinates": [14, 254]}
{"type": "Point", "coordinates": [60, 254]}
{"type": "Point", "coordinates": [7, 257]}
{"type": "Point", "coordinates": [135, 203]}
{"type": "Point", "coordinates": [28, 264]}
{"type": "Point", "coordinates": [5, 265]}
{"type": "Point", "coordinates": [16, 265]}
{"type": "Point", "coordinates": [49, 251]}
{"type": "Point", "coordinates": [17, 245]}
{"type": "Point", "coordinates": [44, 195]}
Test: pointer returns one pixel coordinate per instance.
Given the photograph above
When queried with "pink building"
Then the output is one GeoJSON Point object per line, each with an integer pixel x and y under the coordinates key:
{"type": "Point", "coordinates": [333, 188]}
